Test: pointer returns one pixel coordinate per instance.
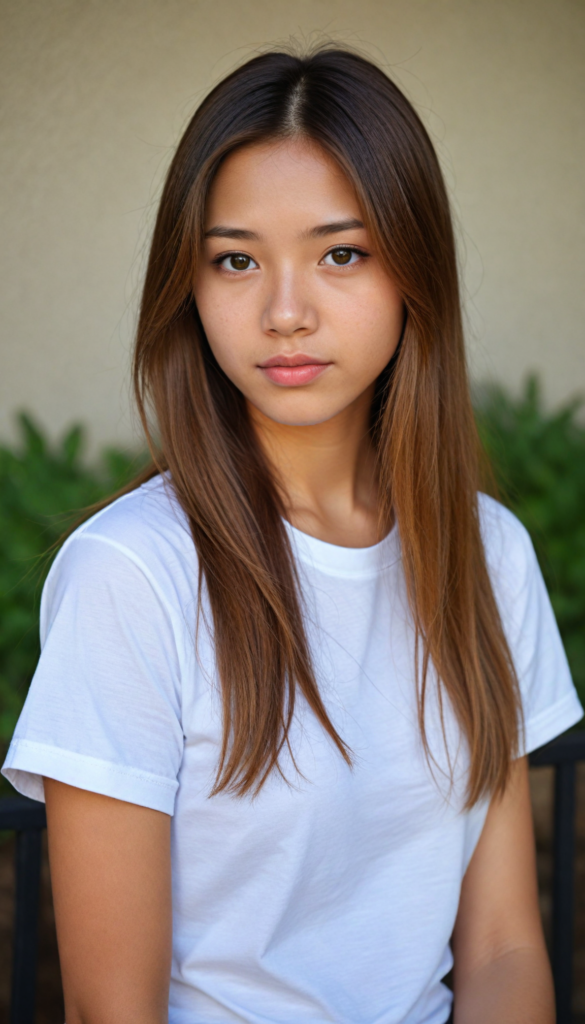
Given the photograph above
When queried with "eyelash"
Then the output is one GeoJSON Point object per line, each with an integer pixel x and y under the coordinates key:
{"type": "Point", "coordinates": [346, 248]}
{"type": "Point", "coordinates": [219, 259]}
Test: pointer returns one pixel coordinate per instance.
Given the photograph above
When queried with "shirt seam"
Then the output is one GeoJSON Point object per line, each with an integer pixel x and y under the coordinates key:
{"type": "Point", "coordinates": [553, 709]}
{"type": "Point", "coordinates": [329, 570]}
{"type": "Point", "coordinates": [149, 576]}
{"type": "Point", "coordinates": [72, 755]}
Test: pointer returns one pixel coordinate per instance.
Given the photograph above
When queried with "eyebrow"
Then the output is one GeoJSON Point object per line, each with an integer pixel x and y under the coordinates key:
{"type": "Point", "coordinates": [225, 232]}
{"type": "Point", "coordinates": [221, 231]}
{"type": "Point", "coordinates": [334, 228]}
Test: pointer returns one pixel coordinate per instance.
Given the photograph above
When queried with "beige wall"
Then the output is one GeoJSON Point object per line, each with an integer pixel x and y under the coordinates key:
{"type": "Point", "coordinates": [95, 96]}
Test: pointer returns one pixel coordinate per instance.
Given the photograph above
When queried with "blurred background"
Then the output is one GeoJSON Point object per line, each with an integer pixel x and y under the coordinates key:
{"type": "Point", "coordinates": [95, 94]}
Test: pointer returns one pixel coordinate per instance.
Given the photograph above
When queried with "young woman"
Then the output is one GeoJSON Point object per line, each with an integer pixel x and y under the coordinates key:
{"type": "Point", "coordinates": [289, 679]}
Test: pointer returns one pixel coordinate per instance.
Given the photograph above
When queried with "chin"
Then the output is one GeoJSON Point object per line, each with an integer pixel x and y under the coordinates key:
{"type": "Point", "coordinates": [291, 421]}
{"type": "Point", "coordinates": [298, 414]}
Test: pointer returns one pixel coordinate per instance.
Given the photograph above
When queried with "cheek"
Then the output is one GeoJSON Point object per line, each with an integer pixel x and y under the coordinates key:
{"type": "Point", "coordinates": [228, 352]}
{"type": "Point", "coordinates": [372, 328]}
{"type": "Point", "coordinates": [224, 327]}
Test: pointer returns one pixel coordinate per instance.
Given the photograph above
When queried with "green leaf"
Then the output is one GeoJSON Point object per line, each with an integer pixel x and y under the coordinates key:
{"type": "Point", "coordinates": [34, 440]}
{"type": "Point", "coordinates": [72, 444]}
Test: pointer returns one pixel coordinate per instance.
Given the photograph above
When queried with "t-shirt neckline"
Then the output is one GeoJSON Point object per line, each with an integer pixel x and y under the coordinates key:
{"type": "Point", "coordinates": [341, 561]}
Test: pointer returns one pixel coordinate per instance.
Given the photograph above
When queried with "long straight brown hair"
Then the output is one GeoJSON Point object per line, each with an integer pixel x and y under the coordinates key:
{"type": "Point", "coordinates": [422, 422]}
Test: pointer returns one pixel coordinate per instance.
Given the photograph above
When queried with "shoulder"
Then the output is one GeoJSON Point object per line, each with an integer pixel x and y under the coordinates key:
{"type": "Point", "coordinates": [147, 525]}
{"type": "Point", "coordinates": [139, 542]}
{"type": "Point", "coordinates": [508, 548]}
{"type": "Point", "coordinates": [140, 521]}
{"type": "Point", "coordinates": [549, 700]}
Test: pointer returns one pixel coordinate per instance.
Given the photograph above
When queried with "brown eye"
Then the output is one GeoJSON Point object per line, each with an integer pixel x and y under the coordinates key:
{"type": "Point", "coordinates": [341, 256]}
{"type": "Point", "coordinates": [236, 261]}
{"type": "Point", "coordinates": [239, 262]}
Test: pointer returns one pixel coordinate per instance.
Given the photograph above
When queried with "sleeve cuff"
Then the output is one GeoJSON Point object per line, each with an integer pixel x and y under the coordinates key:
{"type": "Point", "coordinates": [27, 762]}
{"type": "Point", "coordinates": [551, 722]}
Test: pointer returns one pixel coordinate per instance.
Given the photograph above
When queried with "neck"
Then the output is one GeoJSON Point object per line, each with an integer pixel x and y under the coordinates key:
{"type": "Point", "coordinates": [326, 473]}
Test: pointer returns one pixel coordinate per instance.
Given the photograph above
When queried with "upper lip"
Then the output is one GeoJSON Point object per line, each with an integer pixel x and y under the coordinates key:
{"type": "Point", "coordinates": [298, 359]}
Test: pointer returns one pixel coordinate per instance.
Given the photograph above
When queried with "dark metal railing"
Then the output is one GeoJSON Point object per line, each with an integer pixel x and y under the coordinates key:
{"type": "Point", "coordinates": [27, 819]}
{"type": "Point", "coordinates": [563, 754]}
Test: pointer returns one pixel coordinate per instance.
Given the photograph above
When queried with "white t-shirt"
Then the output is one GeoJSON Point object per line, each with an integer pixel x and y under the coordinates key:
{"type": "Point", "coordinates": [331, 898]}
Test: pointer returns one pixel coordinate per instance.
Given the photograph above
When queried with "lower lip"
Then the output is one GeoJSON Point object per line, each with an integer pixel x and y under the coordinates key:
{"type": "Point", "coordinates": [292, 376]}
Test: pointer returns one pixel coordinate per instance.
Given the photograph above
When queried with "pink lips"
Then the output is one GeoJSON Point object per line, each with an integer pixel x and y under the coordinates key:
{"type": "Point", "coordinates": [293, 370]}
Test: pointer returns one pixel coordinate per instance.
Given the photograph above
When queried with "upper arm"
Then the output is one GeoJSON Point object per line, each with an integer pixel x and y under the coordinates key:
{"type": "Point", "coordinates": [498, 909]}
{"type": "Point", "coordinates": [111, 878]}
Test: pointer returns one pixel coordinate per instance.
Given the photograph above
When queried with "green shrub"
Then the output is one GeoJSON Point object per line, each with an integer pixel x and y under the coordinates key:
{"type": "Point", "coordinates": [539, 463]}
{"type": "Point", "coordinates": [43, 489]}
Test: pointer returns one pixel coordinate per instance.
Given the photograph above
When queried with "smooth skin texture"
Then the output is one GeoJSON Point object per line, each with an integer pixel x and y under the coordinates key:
{"type": "Point", "coordinates": [111, 879]}
{"type": "Point", "coordinates": [287, 214]}
{"type": "Point", "coordinates": [288, 271]}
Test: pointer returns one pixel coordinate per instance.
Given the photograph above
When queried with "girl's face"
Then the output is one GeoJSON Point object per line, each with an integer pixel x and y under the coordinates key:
{"type": "Point", "coordinates": [297, 307]}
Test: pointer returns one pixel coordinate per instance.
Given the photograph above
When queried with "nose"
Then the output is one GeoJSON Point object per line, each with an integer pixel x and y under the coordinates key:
{"type": "Point", "coordinates": [288, 309]}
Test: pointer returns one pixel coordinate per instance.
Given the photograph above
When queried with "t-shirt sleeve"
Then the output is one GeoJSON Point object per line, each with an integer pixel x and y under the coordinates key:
{"type": "Point", "coordinates": [550, 703]}
{"type": "Point", "coordinates": [103, 712]}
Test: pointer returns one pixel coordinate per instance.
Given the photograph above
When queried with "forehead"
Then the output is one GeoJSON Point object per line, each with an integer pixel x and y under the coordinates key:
{"type": "Point", "coordinates": [289, 178]}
